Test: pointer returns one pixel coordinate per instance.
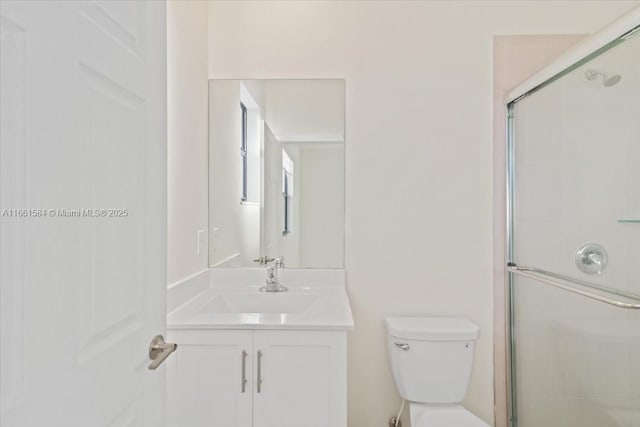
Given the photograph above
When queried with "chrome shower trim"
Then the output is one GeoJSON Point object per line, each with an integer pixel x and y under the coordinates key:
{"type": "Point", "coordinates": [605, 294]}
{"type": "Point", "coordinates": [608, 80]}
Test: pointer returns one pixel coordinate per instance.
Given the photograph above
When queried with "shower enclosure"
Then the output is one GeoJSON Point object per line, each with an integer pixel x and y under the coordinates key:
{"type": "Point", "coordinates": [574, 237]}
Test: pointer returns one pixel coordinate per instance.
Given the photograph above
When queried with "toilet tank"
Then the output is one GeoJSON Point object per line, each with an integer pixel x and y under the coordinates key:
{"type": "Point", "coordinates": [431, 357]}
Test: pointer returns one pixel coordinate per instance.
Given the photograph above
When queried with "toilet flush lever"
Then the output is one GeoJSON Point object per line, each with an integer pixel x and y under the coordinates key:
{"type": "Point", "coordinates": [402, 346]}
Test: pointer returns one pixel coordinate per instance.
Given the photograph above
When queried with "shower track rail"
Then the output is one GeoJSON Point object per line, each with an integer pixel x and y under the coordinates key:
{"type": "Point", "coordinates": [594, 291]}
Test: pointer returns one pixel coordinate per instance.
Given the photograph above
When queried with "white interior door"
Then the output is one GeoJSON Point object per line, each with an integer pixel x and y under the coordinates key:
{"type": "Point", "coordinates": [83, 126]}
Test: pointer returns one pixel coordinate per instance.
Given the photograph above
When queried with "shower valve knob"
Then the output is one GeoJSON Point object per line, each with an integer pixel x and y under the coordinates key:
{"type": "Point", "coordinates": [591, 258]}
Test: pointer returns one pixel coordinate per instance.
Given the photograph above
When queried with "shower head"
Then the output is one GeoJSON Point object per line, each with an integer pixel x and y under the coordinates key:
{"type": "Point", "coordinates": [607, 79]}
{"type": "Point", "coordinates": [610, 80]}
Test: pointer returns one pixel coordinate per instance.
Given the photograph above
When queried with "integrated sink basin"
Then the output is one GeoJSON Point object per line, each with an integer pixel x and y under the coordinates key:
{"type": "Point", "coordinates": [261, 302]}
{"type": "Point", "coordinates": [235, 305]}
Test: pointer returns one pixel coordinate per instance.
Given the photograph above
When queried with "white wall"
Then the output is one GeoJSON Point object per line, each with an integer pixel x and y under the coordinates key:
{"type": "Point", "coordinates": [275, 244]}
{"type": "Point", "coordinates": [305, 110]}
{"type": "Point", "coordinates": [316, 238]}
{"type": "Point", "coordinates": [235, 226]}
{"type": "Point", "coordinates": [187, 137]}
{"type": "Point", "coordinates": [418, 151]}
{"type": "Point", "coordinates": [307, 118]}
{"type": "Point", "coordinates": [320, 197]}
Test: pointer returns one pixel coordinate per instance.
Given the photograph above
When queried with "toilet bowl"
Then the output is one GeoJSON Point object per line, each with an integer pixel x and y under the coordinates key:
{"type": "Point", "coordinates": [431, 360]}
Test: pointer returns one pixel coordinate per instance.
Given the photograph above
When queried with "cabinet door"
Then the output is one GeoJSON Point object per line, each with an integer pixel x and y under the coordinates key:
{"type": "Point", "coordinates": [205, 384]}
{"type": "Point", "coordinates": [303, 379]}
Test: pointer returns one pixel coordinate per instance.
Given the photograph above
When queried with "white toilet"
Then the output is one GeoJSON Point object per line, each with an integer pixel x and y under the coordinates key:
{"type": "Point", "coordinates": [431, 360]}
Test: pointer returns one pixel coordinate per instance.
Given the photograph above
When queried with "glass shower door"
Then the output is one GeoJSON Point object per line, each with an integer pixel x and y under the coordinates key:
{"type": "Point", "coordinates": [576, 168]}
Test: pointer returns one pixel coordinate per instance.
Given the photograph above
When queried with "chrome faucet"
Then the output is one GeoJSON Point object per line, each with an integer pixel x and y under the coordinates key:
{"type": "Point", "coordinates": [273, 281]}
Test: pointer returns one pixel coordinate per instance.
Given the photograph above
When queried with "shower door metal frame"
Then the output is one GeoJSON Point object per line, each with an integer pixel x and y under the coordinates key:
{"type": "Point", "coordinates": [616, 33]}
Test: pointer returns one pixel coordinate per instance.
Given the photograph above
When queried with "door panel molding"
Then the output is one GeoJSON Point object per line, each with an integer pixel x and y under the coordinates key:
{"type": "Point", "coordinates": [13, 130]}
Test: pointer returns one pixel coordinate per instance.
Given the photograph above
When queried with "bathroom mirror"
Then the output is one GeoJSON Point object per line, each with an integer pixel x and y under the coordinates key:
{"type": "Point", "coordinates": [276, 172]}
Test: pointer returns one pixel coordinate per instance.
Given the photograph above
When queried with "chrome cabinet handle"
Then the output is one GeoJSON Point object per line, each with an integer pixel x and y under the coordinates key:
{"type": "Point", "coordinates": [244, 371]}
{"type": "Point", "coordinates": [259, 381]}
{"type": "Point", "coordinates": [159, 350]}
{"type": "Point", "coordinates": [402, 346]}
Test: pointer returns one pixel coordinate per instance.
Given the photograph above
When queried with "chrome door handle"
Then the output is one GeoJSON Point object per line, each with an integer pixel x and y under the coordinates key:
{"type": "Point", "coordinates": [159, 350]}
{"type": "Point", "coordinates": [259, 380]}
{"type": "Point", "coordinates": [244, 371]}
{"type": "Point", "coordinates": [402, 346]}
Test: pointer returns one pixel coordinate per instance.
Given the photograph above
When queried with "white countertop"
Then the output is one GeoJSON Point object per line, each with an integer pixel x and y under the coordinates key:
{"type": "Point", "coordinates": [239, 307]}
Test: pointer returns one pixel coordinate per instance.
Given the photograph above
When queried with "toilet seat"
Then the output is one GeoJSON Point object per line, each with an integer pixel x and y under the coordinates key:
{"type": "Point", "coordinates": [443, 416]}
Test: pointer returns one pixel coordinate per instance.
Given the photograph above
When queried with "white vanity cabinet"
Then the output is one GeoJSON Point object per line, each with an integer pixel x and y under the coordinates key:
{"type": "Point", "coordinates": [294, 378]}
{"type": "Point", "coordinates": [205, 381]}
{"type": "Point", "coordinates": [304, 379]}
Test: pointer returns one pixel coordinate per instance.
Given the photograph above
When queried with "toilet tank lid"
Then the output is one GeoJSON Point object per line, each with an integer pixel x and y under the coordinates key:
{"type": "Point", "coordinates": [432, 328]}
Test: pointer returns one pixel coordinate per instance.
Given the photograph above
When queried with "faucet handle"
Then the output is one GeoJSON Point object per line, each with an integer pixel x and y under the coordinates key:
{"type": "Point", "coordinates": [279, 262]}
{"type": "Point", "coordinates": [263, 260]}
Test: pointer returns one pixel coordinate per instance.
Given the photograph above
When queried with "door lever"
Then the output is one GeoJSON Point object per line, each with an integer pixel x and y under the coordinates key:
{"type": "Point", "coordinates": [159, 350]}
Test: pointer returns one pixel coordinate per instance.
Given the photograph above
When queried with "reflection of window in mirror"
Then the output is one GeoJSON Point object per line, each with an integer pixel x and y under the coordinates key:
{"type": "Point", "coordinates": [243, 152]}
{"type": "Point", "coordinates": [288, 176]}
{"type": "Point", "coordinates": [250, 144]}
{"type": "Point", "coordinates": [287, 191]}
